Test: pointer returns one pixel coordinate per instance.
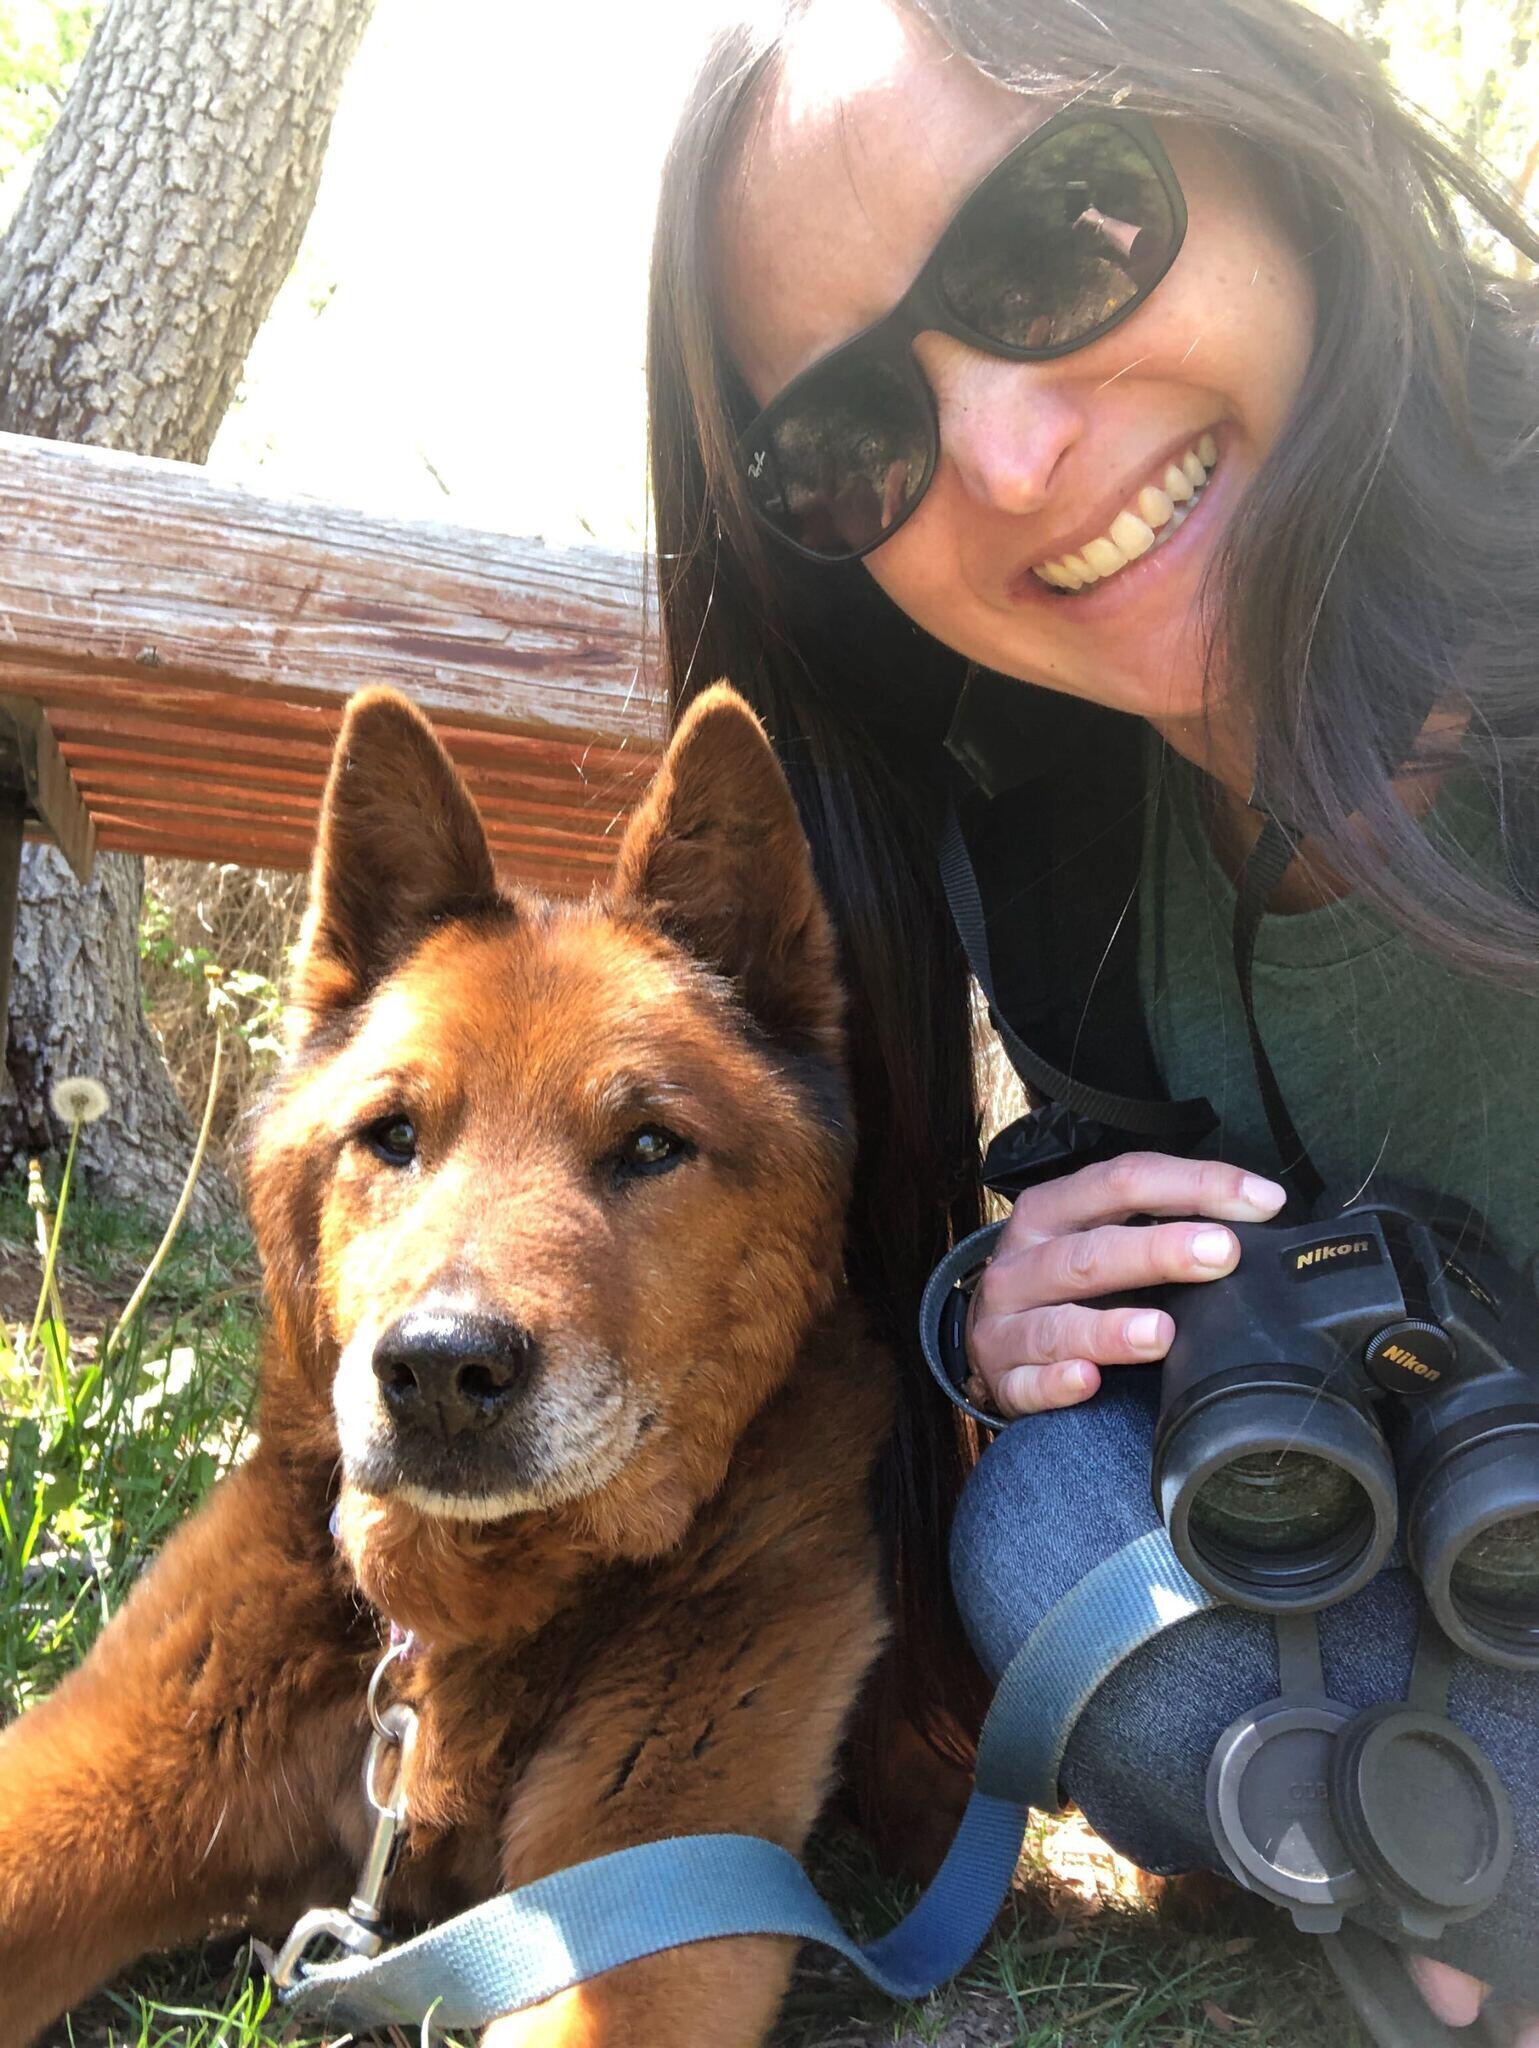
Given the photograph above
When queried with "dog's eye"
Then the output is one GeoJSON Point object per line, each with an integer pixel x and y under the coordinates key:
{"type": "Point", "coordinates": [393, 1139]}
{"type": "Point", "coordinates": [652, 1149]}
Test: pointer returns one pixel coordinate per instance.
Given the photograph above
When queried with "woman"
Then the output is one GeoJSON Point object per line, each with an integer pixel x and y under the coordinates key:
{"type": "Point", "coordinates": [1196, 457]}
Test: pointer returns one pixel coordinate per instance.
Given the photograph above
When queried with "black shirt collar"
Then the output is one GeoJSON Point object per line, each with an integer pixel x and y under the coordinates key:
{"type": "Point", "coordinates": [1004, 733]}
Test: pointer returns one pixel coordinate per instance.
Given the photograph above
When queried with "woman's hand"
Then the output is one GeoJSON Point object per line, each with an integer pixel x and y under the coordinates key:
{"type": "Point", "coordinates": [1457, 2000]}
{"type": "Point", "coordinates": [1032, 1340]}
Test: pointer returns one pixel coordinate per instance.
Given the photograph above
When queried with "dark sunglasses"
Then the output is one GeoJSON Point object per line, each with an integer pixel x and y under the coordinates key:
{"type": "Point", "coordinates": [1066, 236]}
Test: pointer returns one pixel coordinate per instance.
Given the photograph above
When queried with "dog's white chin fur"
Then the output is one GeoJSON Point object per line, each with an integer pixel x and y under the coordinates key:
{"type": "Point", "coordinates": [586, 1414]}
{"type": "Point", "coordinates": [471, 1507]}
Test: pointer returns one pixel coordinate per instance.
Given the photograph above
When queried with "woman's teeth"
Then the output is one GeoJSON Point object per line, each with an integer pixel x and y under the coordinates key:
{"type": "Point", "coordinates": [1155, 514]}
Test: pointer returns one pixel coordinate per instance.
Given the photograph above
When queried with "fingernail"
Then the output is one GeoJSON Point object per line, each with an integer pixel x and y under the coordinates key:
{"type": "Point", "coordinates": [1012, 1392]}
{"type": "Point", "coordinates": [1076, 1380]}
{"type": "Point", "coordinates": [1146, 1332]}
{"type": "Point", "coordinates": [1212, 1248]}
{"type": "Point", "coordinates": [1527, 2036]}
{"type": "Point", "coordinates": [1263, 1195]}
{"type": "Point", "coordinates": [1453, 1997]}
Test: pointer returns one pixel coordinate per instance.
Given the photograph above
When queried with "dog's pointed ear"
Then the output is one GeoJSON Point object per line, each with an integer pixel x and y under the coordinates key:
{"type": "Point", "coordinates": [400, 848]}
{"type": "Point", "coordinates": [715, 853]}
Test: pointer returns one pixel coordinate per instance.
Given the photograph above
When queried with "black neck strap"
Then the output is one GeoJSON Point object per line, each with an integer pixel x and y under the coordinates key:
{"type": "Point", "coordinates": [1433, 1667]}
{"type": "Point", "coordinates": [1145, 1119]}
{"type": "Point", "coordinates": [1178, 1122]}
{"type": "Point", "coordinates": [1266, 864]}
{"type": "Point", "coordinates": [1299, 1669]}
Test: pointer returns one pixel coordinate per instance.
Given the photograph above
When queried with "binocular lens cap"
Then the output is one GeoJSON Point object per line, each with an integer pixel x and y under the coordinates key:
{"type": "Point", "coordinates": [1316, 1806]}
{"type": "Point", "coordinates": [1422, 1813]}
{"type": "Point", "coordinates": [1269, 1810]}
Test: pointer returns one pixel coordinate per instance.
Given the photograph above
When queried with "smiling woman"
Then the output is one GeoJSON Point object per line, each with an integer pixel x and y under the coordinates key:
{"type": "Point", "coordinates": [1034, 499]}
{"type": "Point", "coordinates": [1096, 420]}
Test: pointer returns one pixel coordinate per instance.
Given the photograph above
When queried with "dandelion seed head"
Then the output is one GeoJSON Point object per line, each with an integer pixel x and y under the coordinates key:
{"type": "Point", "coordinates": [80, 1099]}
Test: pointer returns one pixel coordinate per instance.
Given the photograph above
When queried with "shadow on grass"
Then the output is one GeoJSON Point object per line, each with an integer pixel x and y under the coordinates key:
{"type": "Point", "coordinates": [1079, 1959]}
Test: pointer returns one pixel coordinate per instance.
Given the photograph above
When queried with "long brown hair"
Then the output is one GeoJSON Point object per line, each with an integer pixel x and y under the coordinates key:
{"type": "Point", "coordinates": [1397, 515]}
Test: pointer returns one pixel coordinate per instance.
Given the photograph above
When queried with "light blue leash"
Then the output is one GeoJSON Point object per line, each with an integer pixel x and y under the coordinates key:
{"type": "Point", "coordinates": [526, 1946]}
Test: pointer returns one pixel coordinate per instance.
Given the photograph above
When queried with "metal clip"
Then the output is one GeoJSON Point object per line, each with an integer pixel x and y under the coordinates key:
{"type": "Point", "coordinates": [396, 1728]}
{"type": "Point", "coordinates": [360, 1929]}
{"type": "Point", "coordinates": [321, 1923]}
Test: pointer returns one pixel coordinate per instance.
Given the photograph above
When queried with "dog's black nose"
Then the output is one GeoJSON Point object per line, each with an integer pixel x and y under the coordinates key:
{"type": "Point", "coordinates": [451, 1373]}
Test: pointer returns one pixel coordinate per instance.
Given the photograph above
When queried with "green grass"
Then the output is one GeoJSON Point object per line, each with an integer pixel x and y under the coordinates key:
{"type": "Point", "coordinates": [98, 1465]}
{"type": "Point", "coordinates": [1077, 1960]}
{"type": "Point", "coordinates": [217, 1999]}
{"type": "Point", "coordinates": [102, 1460]}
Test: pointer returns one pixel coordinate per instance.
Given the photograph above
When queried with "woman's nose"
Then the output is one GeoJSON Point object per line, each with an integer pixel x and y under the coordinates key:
{"type": "Point", "coordinates": [1004, 426]}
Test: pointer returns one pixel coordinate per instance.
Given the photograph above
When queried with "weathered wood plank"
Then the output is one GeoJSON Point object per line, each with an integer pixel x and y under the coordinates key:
{"type": "Point", "coordinates": [41, 787]}
{"type": "Point", "coordinates": [193, 643]}
{"type": "Point", "coordinates": [573, 833]}
{"type": "Point", "coordinates": [121, 563]}
{"type": "Point", "coordinates": [252, 844]}
{"type": "Point", "coordinates": [267, 732]}
{"type": "Point", "coordinates": [125, 770]}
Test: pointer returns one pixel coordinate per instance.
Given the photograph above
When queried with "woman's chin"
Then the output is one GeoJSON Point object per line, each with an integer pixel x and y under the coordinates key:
{"type": "Point", "coordinates": [1166, 687]}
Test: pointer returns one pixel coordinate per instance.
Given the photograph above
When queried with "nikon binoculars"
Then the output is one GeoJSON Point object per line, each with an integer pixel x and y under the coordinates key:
{"type": "Point", "coordinates": [1351, 1368]}
{"type": "Point", "coordinates": [1376, 1360]}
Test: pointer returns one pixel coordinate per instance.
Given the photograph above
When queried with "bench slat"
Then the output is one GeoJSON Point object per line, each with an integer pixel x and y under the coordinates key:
{"type": "Point", "coordinates": [193, 643]}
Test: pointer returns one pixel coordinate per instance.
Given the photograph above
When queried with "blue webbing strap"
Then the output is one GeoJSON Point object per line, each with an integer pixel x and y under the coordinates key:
{"type": "Point", "coordinates": [526, 1946]}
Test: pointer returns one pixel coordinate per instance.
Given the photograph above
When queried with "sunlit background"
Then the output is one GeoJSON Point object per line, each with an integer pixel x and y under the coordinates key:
{"type": "Point", "coordinates": [463, 334]}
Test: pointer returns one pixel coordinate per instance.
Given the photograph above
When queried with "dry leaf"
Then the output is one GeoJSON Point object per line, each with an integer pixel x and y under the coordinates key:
{"type": "Point", "coordinates": [1226, 2022]}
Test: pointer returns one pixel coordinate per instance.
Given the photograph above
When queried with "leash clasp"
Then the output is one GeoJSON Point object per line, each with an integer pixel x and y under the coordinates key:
{"type": "Point", "coordinates": [322, 1923]}
{"type": "Point", "coordinates": [395, 1728]}
{"type": "Point", "coordinates": [360, 1930]}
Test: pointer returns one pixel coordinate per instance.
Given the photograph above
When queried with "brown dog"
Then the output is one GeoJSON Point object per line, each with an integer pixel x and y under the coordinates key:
{"type": "Point", "coordinates": [550, 1200]}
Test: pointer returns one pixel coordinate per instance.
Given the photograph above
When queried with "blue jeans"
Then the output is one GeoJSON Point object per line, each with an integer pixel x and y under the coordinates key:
{"type": "Point", "coordinates": [1055, 1494]}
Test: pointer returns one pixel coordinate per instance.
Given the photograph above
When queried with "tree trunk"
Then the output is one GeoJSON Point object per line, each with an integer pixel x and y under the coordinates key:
{"type": "Point", "coordinates": [75, 1009]}
{"type": "Point", "coordinates": [163, 213]}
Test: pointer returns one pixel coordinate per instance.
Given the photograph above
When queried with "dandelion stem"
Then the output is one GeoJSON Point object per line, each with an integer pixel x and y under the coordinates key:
{"type": "Point", "coordinates": [37, 1200]}
{"type": "Point", "coordinates": [53, 1240]}
{"type": "Point", "coordinates": [136, 1299]}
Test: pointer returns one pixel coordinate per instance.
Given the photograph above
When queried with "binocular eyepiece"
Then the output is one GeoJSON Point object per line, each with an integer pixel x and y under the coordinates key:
{"type": "Point", "coordinates": [1374, 1361]}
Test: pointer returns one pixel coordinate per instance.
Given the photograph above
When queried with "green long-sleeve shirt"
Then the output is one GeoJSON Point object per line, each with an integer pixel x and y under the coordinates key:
{"type": "Point", "coordinates": [1389, 1061]}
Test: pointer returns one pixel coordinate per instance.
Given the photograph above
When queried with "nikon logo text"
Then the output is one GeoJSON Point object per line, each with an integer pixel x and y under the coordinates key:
{"type": "Point", "coordinates": [1409, 1362]}
{"type": "Point", "coordinates": [1330, 1255]}
{"type": "Point", "coordinates": [1319, 1252]}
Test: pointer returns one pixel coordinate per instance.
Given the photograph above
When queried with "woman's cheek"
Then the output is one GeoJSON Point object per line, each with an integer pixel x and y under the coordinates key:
{"type": "Point", "coordinates": [922, 570]}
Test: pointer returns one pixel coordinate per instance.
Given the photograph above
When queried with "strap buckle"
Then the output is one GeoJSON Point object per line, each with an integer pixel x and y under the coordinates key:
{"type": "Point", "coordinates": [322, 1923]}
{"type": "Point", "coordinates": [360, 1930]}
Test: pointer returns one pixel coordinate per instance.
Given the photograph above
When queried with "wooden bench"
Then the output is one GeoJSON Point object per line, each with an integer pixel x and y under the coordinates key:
{"type": "Point", "coordinates": [175, 653]}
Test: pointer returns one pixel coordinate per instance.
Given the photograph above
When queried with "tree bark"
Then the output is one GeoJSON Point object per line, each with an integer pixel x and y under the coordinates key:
{"type": "Point", "coordinates": [164, 212]}
{"type": "Point", "coordinates": [76, 1008]}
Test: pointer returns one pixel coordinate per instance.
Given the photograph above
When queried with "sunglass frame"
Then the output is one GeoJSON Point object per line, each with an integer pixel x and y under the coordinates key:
{"type": "Point", "coordinates": [923, 310]}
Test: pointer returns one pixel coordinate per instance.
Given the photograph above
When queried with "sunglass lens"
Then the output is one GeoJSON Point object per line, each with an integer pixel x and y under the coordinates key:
{"type": "Point", "coordinates": [843, 459]}
{"type": "Point", "coordinates": [1062, 238]}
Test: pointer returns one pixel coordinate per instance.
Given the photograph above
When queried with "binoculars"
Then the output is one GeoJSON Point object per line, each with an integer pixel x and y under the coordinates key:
{"type": "Point", "coordinates": [1374, 1363]}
